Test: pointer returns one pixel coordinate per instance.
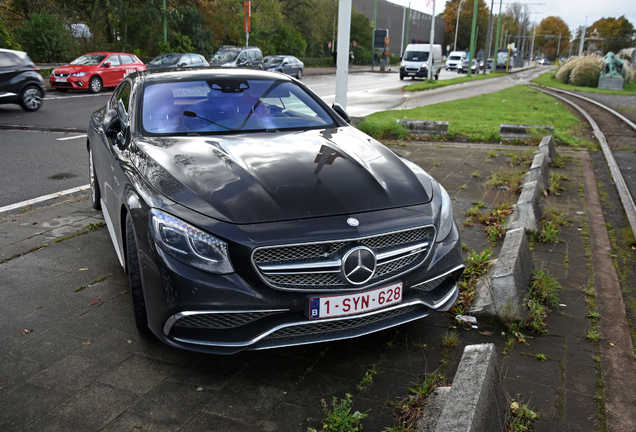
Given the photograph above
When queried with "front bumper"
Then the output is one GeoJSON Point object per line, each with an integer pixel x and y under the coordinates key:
{"type": "Point", "coordinates": [224, 314]}
{"type": "Point", "coordinates": [78, 83]}
{"type": "Point", "coordinates": [409, 72]}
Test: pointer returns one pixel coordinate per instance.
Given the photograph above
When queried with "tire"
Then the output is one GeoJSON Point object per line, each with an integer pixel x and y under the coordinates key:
{"type": "Point", "coordinates": [31, 98]}
{"type": "Point", "coordinates": [437, 76]}
{"type": "Point", "coordinates": [299, 74]}
{"type": "Point", "coordinates": [401, 77]}
{"type": "Point", "coordinates": [96, 194]}
{"type": "Point", "coordinates": [134, 279]}
{"type": "Point", "coordinates": [95, 85]}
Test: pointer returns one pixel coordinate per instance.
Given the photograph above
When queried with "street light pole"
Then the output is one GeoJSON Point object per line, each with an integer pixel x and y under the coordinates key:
{"type": "Point", "coordinates": [473, 36]}
{"type": "Point", "coordinates": [431, 41]}
{"type": "Point", "coordinates": [459, 9]}
{"type": "Point", "coordinates": [583, 38]}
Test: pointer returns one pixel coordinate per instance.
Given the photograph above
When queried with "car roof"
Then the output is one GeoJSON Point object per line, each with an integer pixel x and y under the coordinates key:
{"type": "Point", "coordinates": [164, 75]}
{"type": "Point", "coordinates": [108, 53]}
{"type": "Point", "coordinates": [20, 54]}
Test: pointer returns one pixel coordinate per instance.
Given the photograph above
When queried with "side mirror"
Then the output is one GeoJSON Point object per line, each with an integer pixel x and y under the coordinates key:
{"type": "Point", "coordinates": [341, 112]}
{"type": "Point", "coordinates": [114, 129]}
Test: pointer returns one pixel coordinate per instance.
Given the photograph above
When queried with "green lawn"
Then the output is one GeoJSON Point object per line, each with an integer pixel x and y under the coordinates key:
{"type": "Point", "coordinates": [548, 79]}
{"type": "Point", "coordinates": [429, 85]}
{"type": "Point", "coordinates": [479, 117]}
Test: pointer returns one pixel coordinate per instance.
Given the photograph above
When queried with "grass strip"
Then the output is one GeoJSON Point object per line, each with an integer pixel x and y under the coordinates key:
{"type": "Point", "coordinates": [479, 117]}
{"type": "Point", "coordinates": [549, 80]}
{"type": "Point", "coordinates": [433, 84]}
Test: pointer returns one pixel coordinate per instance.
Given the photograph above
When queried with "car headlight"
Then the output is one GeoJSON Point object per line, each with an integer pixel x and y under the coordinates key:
{"type": "Point", "coordinates": [188, 244]}
{"type": "Point", "coordinates": [445, 216]}
{"type": "Point", "coordinates": [79, 74]}
{"type": "Point", "coordinates": [402, 64]}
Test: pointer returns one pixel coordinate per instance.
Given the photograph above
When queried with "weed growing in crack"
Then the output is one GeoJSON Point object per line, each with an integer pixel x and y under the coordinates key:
{"type": "Point", "coordinates": [366, 381]}
{"type": "Point", "coordinates": [520, 417]}
{"type": "Point", "coordinates": [339, 418]}
{"type": "Point", "coordinates": [409, 410]}
{"type": "Point", "coordinates": [450, 339]}
{"type": "Point", "coordinates": [553, 186]}
{"type": "Point", "coordinates": [477, 264]}
{"type": "Point", "coordinates": [593, 335]}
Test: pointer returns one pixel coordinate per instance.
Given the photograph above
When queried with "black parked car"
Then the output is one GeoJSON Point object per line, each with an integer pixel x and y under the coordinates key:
{"type": "Point", "coordinates": [20, 80]}
{"type": "Point", "coordinates": [174, 60]}
{"type": "Point", "coordinates": [249, 215]}
{"type": "Point", "coordinates": [289, 65]}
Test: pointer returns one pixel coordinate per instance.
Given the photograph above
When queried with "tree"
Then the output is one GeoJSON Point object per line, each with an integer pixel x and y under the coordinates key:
{"type": "Point", "coordinates": [466, 23]}
{"type": "Point", "coordinates": [616, 33]}
{"type": "Point", "coordinates": [547, 37]}
{"type": "Point", "coordinates": [45, 38]}
{"type": "Point", "coordinates": [6, 39]}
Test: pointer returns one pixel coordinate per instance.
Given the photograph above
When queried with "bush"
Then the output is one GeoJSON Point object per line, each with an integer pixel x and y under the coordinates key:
{"type": "Point", "coordinates": [563, 74]}
{"type": "Point", "coordinates": [45, 38]}
{"type": "Point", "coordinates": [6, 40]}
{"type": "Point", "coordinates": [587, 71]}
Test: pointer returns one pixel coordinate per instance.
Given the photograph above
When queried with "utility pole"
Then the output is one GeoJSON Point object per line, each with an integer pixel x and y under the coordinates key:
{"type": "Point", "coordinates": [344, 33]}
{"type": "Point", "coordinates": [582, 42]}
{"type": "Point", "coordinates": [534, 31]}
{"type": "Point", "coordinates": [488, 37]}
{"type": "Point", "coordinates": [375, 19]}
{"type": "Point", "coordinates": [473, 38]}
{"type": "Point", "coordinates": [497, 38]}
{"type": "Point", "coordinates": [459, 9]}
{"type": "Point", "coordinates": [403, 21]}
{"type": "Point", "coordinates": [431, 41]}
{"type": "Point", "coordinates": [559, 46]}
{"type": "Point", "coordinates": [408, 25]}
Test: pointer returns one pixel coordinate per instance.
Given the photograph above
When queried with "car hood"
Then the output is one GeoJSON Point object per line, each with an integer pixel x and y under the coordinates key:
{"type": "Point", "coordinates": [73, 68]}
{"type": "Point", "coordinates": [266, 177]}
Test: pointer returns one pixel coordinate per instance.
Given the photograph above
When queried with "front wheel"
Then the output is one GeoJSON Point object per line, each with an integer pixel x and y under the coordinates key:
{"type": "Point", "coordinates": [95, 192]}
{"type": "Point", "coordinates": [401, 77]}
{"type": "Point", "coordinates": [437, 76]}
{"type": "Point", "coordinates": [95, 85]}
{"type": "Point", "coordinates": [134, 279]}
{"type": "Point", "coordinates": [31, 98]}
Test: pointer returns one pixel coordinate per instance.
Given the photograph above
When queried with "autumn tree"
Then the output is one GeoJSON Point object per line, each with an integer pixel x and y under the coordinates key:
{"type": "Point", "coordinates": [547, 37]}
{"type": "Point", "coordinates": [466, 23]}
{"type": "Point", "coordinates": [616, 33]}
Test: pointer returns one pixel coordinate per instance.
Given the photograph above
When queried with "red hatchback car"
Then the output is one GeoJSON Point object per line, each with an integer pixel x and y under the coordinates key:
{"type": "Point", "coordinates": [95, 71]}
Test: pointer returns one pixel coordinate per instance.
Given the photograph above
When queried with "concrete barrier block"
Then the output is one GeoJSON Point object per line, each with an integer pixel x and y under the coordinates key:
{"type": "Point", "coordinates": [511, 276]}
{"type": "Point", "coordinates": [511, 132]}
{"type": "Point", "coordinates": [425, 127]}
{"type": "Point", "coordinates": [547, 147]}
{"type": "Point", "coordinates": [538, 171]}
{"type": "Point", "coordinates": [435, 403]}
{"type": "Point", "coordinates": [527, 212]}
{"type": "Point", "coordinates": [476, 401]}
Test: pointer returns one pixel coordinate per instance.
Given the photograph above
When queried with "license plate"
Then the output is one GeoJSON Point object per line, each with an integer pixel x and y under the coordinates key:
{"type": "Point", "coordinates": [411, 73]}
{"type": "Point", "coordinates": [60, 79]}
{"type": "Point", "coordinates": [350, 304]}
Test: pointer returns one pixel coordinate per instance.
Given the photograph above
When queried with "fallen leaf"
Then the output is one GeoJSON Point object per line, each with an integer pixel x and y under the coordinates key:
{"type": "Point", "coordinates": [34, 223]}
{"type": "Point", "coordinates": [26, 331]}
{"type": "Point", "coordinates": [86, 343]}
{"type": "Point", "coordinates": [94, 302]}
{"type": "Point", "coordinates": [199, 388]}
{"type": "Point", "coordinates": [612, 344]}
{"type": "Point", "coordinates": [138, 427]}
{"type": "Point", "coordinates": [514, 405]}
{"type": "Point", "coordinates": [487, 333]}
{"type": "Point", "coordinates": [129, 341]}
{"type": "Point", "coordinates": [82, 269]}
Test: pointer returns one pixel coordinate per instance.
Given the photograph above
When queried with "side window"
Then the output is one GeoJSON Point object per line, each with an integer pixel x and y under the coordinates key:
{"type": "Point", "coordinates": [195, 59]}
{"type": "Point", "coordinates": [242, 57]}
{"type": "Point", "coordinates": [126, 59]}
{"type": "Point", "coordinates": [121, 100]}
{"type": "Point", "coordinates": [185, 60]}
{"type": "Point", "coordinates": [7, 60]}
{"type": "Point", "coordinates": [113, 60]}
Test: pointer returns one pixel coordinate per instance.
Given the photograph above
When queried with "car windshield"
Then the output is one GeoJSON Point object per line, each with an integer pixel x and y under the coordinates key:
{"type": "Point", "coordinates": [225, 56]}
{"type": "Point", "coordinates": [273, 60]}
{"type": "Point", "coordinates": [416, 56]}
{"type": "Point", "coordinates": [455, 57]}
{"type": "Point", "coordinates": [230, 105]}
{"type": "Point", "coordinates": [89, 60]}
{"type": "Point", "coordinates": [165, 59]}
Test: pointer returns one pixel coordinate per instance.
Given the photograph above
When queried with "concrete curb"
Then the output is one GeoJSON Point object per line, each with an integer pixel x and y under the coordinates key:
{"type": "Point", "coordinates": [502, 292]}
{"type": "Point", "coordinates": [476, 400]}
{"type": "Point", "coordinates": [510, 132]}
{"type": "Point", "coordinates": [425, 127]}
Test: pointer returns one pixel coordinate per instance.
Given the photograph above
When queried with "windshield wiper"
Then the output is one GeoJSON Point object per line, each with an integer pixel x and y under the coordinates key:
{"type": "Point", "coordinates": [192, 114]}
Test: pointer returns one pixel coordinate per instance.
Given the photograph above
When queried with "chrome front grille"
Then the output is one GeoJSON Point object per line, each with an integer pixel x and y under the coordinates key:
{"type": "Point", "coordinates": [224, 320]}
{"type": "Point", "coordinates": [317, 266]}
{"type": "Point", "coordinates": [61, 75]}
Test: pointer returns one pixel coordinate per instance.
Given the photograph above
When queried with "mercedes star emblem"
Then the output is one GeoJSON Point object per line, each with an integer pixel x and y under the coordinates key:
{"type": "Point", "coordinates": [353, 222]}
{"type": "Point", "coordinates": [358, 265]}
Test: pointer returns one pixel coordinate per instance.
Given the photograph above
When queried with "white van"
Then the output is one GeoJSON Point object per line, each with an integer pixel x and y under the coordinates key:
{"type": "Point", "coordinates": [415, 61]}
{"type": "Point", "coordinates": [455, 58]}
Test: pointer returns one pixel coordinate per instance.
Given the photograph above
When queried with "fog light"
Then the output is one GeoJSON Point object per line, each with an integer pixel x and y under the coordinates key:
{"type": "Point", "coordinates": [80, 84]}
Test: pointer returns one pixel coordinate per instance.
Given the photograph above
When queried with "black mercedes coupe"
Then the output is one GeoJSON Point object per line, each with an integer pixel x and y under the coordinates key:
{"type": "Point", "coordinates": [248, 214]}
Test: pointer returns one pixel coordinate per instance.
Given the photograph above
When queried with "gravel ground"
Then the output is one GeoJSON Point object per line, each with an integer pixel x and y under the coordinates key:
{"type": "Point", "coordinates": [624, 104]}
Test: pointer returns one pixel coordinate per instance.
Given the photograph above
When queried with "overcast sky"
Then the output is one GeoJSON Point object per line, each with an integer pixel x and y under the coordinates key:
{"type": "Point", "coordinates": [573, 12]}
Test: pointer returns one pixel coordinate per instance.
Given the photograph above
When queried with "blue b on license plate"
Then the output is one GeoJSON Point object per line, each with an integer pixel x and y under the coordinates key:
{"type": "Point", "coordinates": [354, 303]}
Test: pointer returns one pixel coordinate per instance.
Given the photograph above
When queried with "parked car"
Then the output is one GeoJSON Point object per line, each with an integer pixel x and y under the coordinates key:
{"type": "Point", "coordinates": [285, 64]}
{"type": "Point", "coordinates": [543, 62]}
{"type": "Point", "coordinates": [249, 214]}
{"type": "Point", "coordinates": [174, 60]}
{"type": "Point", "coordinates": [463, 67]}
{"type": "Point", "coordinates": [230, 56]}
{"type": "Point", "coordinates": [95, 71]}
{"type": "Point", "coordinates": [20, 80]}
